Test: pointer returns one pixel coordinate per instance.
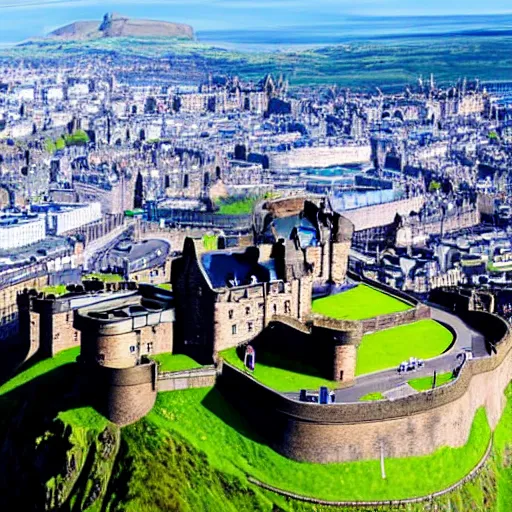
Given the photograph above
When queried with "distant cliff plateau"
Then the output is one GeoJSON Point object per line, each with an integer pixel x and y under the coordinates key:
{"type": "Point", "coordinates": [116, 25]}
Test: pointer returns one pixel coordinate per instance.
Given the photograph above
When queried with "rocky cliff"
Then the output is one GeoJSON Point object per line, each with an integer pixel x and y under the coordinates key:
{"type": "Point", "coordinates": [116, 25]}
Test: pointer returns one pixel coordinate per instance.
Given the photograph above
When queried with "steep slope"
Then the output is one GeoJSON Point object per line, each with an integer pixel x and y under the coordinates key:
{"type": "Point", "coordinates": [56, 453]}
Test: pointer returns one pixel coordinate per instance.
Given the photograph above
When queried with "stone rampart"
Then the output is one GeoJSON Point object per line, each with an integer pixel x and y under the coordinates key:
{"type": "Point", "coordinates": [209, 220]}
{"type": "Point", "coordinates": [123, 395]}
{"type": "Point", "coordinates": [197, 378]}
{"type": "Point", "coordinates": [382, 214]}
{"type": "Point", "coordinates": [412, 426]}
{"type": "Point", "coordinates": [378, 323]}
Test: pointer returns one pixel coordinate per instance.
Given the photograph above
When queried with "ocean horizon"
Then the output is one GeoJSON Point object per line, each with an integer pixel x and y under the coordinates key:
{"type": "Point", "coordinates": [346, 30]}
{"type": "Point", "coordinates": [358, 29]}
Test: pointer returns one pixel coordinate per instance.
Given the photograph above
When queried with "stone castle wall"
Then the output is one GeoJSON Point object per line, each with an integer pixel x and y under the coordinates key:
{"type": "Point", "coordinates": [9, 313]}
{"type": "Point", "coordinates": [412, 426]}
{"type": "Point", "coordinates": [123, 395]}
{"type": "Point", "coordinates": [382, 214]}
{"type": "Point", "coordinates": [198, 378]}
{"type": "Point", "coordinates": [375, 324]}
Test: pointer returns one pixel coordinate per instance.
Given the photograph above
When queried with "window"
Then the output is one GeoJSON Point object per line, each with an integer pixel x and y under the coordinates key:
{"type": "Point", "coordinates": [150, 346]}
{"type": "Point", "coordinates": [287, 307]}
{"type": "Point", "coordinates": [230, 314]}
{"type": "Point", "coordinates": [274, 307]}
{"type": "Point", "coordinates": [250, 326]}
{"type": "Point", "coordinates": [233, 329]}
{"type": "Point", "coordinates": [247, 310]}
{"type": "Point", "coordinates": [132, 349]}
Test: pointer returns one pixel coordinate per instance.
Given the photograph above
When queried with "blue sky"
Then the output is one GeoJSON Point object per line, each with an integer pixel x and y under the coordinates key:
{"type": "Point", "coordinates": [20, 19]}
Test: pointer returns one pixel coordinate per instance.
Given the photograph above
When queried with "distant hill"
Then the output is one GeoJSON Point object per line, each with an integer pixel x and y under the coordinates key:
{"type": "Point", "coordinates": [116, 25]}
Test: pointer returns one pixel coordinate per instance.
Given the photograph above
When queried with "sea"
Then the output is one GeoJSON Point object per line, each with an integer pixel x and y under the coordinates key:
{"type": "Point", "coordinates": [282, 31]}
{"type": "Point", "coordinates": [359, 28]}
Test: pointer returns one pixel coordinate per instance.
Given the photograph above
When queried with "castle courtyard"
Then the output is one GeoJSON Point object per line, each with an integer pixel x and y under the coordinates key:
{"type": "Point", "coordinates": [358, 303]}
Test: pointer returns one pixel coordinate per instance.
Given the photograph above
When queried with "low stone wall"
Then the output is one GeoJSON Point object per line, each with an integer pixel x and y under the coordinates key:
{"type": "Point", "coordinates": [375, 324]}
{"type": "Point", "coordinates": [412, 426]}
{"type": "Point", "coordinates": [197, 378]}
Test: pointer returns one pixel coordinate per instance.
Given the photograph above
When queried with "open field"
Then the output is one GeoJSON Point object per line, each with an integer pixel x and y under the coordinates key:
{"type": "Point", "coordinates": [387, 349]}
{"type": "Point", "coordinates": [359, 303]}
{"type": "Point", "coordinates": [175, 362]}
{"type": "Point", "coordinates": [280, 373]}
{"type": "Point", "coordinates": [425, 383]}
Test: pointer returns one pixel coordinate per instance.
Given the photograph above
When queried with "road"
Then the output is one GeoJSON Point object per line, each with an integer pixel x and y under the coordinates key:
{"type": "Point", "coordinates": [465, 338]}
{"type": "Point", "coordinates": [96, 250]}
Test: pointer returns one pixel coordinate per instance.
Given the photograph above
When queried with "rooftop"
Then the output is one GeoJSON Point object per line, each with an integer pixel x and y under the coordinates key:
{"type": "Point", "coordinates": [235, 268]}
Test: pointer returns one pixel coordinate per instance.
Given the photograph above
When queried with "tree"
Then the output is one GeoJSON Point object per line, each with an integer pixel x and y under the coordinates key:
{"type": "Point", "coordinates": [60, 144]}
{"type": "Point", "coordinates": [434, 186]}
{"type": "Point", "coordinates": [50, 146]}
{"type": "Point", "coordinates": [78, 138]}
{"type": "Point", "coordinates": [139, 192]}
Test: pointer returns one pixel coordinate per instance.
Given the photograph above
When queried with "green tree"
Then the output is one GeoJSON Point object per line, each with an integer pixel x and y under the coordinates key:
{"type": "Point", "coordinates": [78, 138]}
{"type": "Point", "coordinates": [434, 186]}
{"type": "Point", "coordinates": [60, 144]}
{"type": "Point", "coordinates": [50, 146]}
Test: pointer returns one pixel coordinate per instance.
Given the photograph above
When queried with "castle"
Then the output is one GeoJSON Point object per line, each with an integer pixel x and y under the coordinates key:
{"type": "Point", "coordinates": [261, 294]}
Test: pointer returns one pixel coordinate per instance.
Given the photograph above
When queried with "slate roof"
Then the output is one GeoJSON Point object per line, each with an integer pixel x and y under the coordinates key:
{"type": "Point", "coordinates": [225, 266]}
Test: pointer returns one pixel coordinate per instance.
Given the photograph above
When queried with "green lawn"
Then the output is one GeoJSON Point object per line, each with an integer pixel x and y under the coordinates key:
{"type": "Point", "coordinates": [165, 286]}
{"type": "Point", "coordinates": [206, 420]}
{"type": "Point", "coordinates": [240, 205]}
{"type": "Point", "coordinates": [175, 362]}
{"type": "Point", "coordinates": [371, 397]}
{"type": "Point", "coordinates": [387, 349]}
{"type": "Point", "coordinates": [281, 374]}
{"type": "Point", "coordinates": [359, 303]}
{"type": "Point", "coordinates": [38, 369]}
{"type": "Point", "coordinates": [236, 206]}
{"type": "Point", "coordinates": [425, 383]}
{"type": "Point", "coordinates": [210, 242]}
{"type": "Point", "coordinates": [106, 278]}
{"type": "Point", "coordinates": [502, 451]}
{"type": "Point", "coordinates": [60, 289]}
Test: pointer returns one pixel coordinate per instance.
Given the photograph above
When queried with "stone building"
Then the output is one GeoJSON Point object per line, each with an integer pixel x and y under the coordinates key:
{"type": "Point", "coordinates": [46, 321]}
{"type": "Point", "coordinates": [226, 298]}
{"type": "Point", "coordinates": [120, 379]}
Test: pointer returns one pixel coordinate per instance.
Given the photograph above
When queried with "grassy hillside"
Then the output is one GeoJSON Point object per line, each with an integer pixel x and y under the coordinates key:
{"type": "Point", "coordinates": [357, 65]}
{"type": "Point", "coordinates": [193, 452]}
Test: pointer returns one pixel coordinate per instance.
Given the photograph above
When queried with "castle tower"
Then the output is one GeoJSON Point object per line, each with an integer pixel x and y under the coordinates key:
{"type": "Point", "coordinates": [120, 379]}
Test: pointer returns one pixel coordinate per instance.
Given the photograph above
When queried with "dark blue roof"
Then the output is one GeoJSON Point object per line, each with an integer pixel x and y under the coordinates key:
{"type": "Point", "coordinates": [223, 267]}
